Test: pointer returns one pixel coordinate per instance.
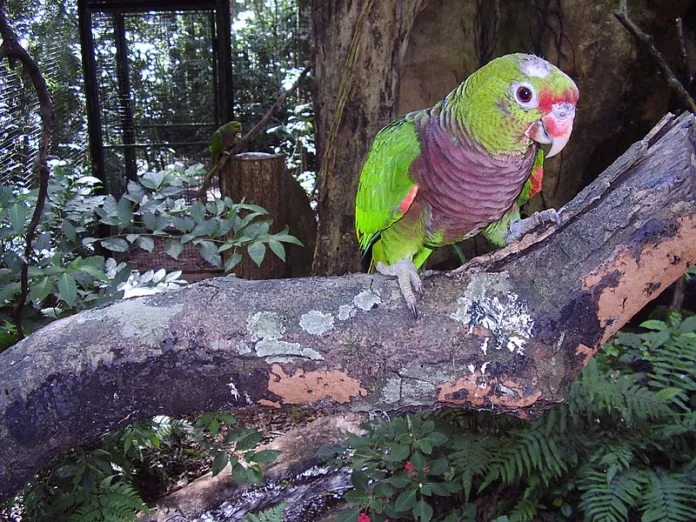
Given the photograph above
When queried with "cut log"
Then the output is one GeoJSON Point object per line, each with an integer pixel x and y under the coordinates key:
{"type": "Point", "coordinates": [507, 333]}
{"type": "Point", "coordinates": [261, 179]}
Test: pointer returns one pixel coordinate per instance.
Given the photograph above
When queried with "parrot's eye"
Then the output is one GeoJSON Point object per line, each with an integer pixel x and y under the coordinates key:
{"type": "Point", "coordinates": [525, 95]}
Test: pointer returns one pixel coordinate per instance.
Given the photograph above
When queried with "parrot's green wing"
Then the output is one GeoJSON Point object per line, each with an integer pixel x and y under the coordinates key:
{"type": "Point", "coordinates": [216, 145]}
{"type": "Point", "coordinates": [385, 180]}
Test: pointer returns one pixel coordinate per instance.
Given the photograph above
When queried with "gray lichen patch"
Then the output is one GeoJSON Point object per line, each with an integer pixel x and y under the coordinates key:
{"type": "Point", "coordinates": [316, 323]}
{"type": "Point", "coordinates": [367, 300]}
{"type": "Point", "coordinates": [345, 312]}
{"type": "Point", "coordinates": [265, 325]}
{"type": "Point", "coordinates": [489, 302]}
{"type": "Point", "coordinates": [137, 319]}
{"type": "Point", "coordinates": [275, 348]}
{"type": "Point", "coordinates": [391, 393]}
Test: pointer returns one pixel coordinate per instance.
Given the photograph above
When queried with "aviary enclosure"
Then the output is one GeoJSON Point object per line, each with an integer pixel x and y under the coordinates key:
{"type": "Point", "coordinates": [552, 379]}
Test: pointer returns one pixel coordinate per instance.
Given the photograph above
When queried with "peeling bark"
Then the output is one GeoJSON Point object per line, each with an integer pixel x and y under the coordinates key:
{"type": "Point", "coordinates": [506, 333]}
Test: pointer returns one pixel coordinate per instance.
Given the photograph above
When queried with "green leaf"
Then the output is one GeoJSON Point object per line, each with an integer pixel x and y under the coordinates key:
{"type": "Point", "coordinates": [418, 460]}
{"type": "Point", "coordinates": [68, 289]}
{"type": "Point", "coordinates": [348, 515]}
{"type": "Point", "coordinates": [214, 427]}
{"type": "Point", "coordinates": [277, 248]}
{"type": "Point", "coordinates": [399, 481]}
{"type": "Point", "coordinates": [17, 214]}
{"type": "Point", "coordinates": [436, 439]}
{"type": "Point", "coordinates": [69, 230]}
{"type": "Point", "coordinates": [198, 212]}
{"type": "Point", "coordinates": [398, 452]}
{"type": "Point", "coordinates": [209, 252]}
{"type": "Point", "coordinates": [115, 244]}
{"type": "Point", "coordinates": [232, 261]}
{"type": "Point", "coordinates": [255, 475]}
{"type": "Point", "coordinates": [146, 243]}
{"type": "Point", "coordinates": [360, 480]}
{"type": "Point", "coordinates": [653, 324]}
{"type": "Point", "coordinates": [688, 325]}
{"type": "Point", "coordinates": [265, 456]}
{"type": "Point", "coordinates": [41, 289]}
{"type": "Point", "coordinates": [257, 251]}
{"type": "Point", "coordinates": [125, 212]}
{"type": "Point", "coordinates": [92, 270]}
{"type": "Point", "coordinates": [424, 446]}
{"type": "Point", "coordinates": [173, 248]}
{"type": "Point", "coordinates": [249, 441]}
{"type": "Point", "coordinates": [356, 497]}
{"type": "Point", "coordinates": [219, 462]}
{"type": "Point", "coordinates": [666, 394]}
{"type": "Point", "coordinates": [406, 500]}
{"type": "Point", "coordinates": [287, 238]}
{"type": "Point", "coordinates": [422, 511]}
{"type": "Point", "coordinates": [151, 222]}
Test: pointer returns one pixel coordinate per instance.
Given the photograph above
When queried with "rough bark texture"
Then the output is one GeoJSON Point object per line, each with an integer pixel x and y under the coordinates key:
{"type": "Point", "coordinates": [507, 334]}
{"type": "Point", "coordinates": [359, 49]}
{"type": "Point", "coordinates": [261, 179]}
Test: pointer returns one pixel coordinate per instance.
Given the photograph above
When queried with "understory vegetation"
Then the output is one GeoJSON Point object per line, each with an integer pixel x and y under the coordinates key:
{"type": "Point", "coordinates": [620, 448]}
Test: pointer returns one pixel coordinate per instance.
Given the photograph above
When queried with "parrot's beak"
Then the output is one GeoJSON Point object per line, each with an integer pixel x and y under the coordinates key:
{"type": "Point", "coordinates": [554, 128]}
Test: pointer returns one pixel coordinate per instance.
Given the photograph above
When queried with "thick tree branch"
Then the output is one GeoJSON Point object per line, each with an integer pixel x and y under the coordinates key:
{"type": "Point", "coordinates": [508, 333]}
{"type": "Point", "coordinates": [246, 139]}
{"type": "Point", "coordinates": [13, 51]}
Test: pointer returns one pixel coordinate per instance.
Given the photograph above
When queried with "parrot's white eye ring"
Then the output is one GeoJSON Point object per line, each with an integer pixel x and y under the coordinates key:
{"type": "Point", "coordinates": [525, 95]}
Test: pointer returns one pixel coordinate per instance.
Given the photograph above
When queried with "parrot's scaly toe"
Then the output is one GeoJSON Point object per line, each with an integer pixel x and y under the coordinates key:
{"type": "Point", "coordinates": [407, 276]}
{"type": "Point", "coordinates": [520, 227]}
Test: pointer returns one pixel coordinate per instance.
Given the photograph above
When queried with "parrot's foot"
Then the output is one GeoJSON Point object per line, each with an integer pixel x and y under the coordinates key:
{"type": "Point", "coordinates": [407, 276]}
{"type": "Point", "coordinates": [520, 227]}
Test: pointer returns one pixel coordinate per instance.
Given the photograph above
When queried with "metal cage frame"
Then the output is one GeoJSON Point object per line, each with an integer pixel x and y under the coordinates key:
{"type": "Point", "coordinates": [222, 73]}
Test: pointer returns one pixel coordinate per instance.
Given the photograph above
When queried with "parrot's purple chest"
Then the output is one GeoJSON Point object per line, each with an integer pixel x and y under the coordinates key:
{"type": "Point", "coordinates": [461, 186]}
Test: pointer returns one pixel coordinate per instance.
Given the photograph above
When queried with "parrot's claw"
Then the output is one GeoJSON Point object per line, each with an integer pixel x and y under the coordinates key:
{"type": "Point", "coordinates": [409, 281]}
{"type": "Point", "coordinates": [520, 227]}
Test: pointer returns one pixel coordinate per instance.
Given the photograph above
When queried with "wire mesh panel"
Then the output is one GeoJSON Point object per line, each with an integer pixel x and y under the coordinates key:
{"type": "Point", "coordinates": [57, 53]}
{"type": "Point", "coordinates": [157, 86]}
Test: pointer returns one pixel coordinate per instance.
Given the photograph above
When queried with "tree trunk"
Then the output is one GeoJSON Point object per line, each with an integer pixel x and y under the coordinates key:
{"type": "Point", "coordinates": [508, 333]}
{"type": "Point", "coordinates": [359, 49]}
{"type": "Point", "coordinates": [261, 179]}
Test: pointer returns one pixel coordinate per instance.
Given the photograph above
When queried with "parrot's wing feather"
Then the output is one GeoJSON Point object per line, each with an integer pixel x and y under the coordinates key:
{"type": "Point", "coordinates": [386, 188]}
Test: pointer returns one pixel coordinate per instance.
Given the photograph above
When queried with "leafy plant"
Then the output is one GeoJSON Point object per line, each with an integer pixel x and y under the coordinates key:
{"type": "Point", "coordinates": [619, 448]}
{"type": "Point", "coordinates": [100, 482]}
{"type": "Point", "coordinates": [67, 274]}
{"type": "Point", "coordinates": [274, 514]}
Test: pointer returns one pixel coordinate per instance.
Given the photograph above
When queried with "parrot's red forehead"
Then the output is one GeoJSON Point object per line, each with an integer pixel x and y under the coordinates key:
{"type": "Point", "coordinates": [548, 98]}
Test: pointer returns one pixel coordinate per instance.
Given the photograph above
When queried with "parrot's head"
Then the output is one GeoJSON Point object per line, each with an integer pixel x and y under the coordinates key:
{"type": "Point", "coordinates": [515, 100]}
{"type": "Point", "coordinates": [234, 128]}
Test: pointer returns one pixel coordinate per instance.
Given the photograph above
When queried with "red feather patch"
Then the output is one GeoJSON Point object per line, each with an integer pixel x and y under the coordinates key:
{"type": "Point", "coordinates": [408, 200]}
{"type": "Point", "coordinates": [537, 176]}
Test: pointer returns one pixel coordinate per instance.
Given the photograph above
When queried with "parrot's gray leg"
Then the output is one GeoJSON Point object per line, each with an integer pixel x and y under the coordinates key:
{"type": "Point", "coordinates": [407, 276]}
{"type": "Point", "coordinates": [520, 227]}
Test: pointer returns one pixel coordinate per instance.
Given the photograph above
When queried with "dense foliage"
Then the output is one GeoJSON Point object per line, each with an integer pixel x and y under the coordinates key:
{"type": "Point", "coordinates": [68, 269]}
{"type": "Point", "coordinates": [621, 447]}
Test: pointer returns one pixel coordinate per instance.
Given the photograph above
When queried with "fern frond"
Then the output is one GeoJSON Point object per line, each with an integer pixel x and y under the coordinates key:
{"type": "Point", "coordinates": [274, 514]}
{"type": "Point", "coordinates": [609, 500]}
{"type": "Point", "coordinates": [530, 452]}
{"type": "Point", "coordinates": [668, 499]}
{"type": "Point", "coordinates": [524, 511]}
{"type": "Point", "coordinates": [111, 501]}
{"type": "Point", "coordinates": [471, 458]}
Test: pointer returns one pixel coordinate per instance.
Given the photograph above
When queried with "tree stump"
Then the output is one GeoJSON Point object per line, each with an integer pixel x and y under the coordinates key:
{"type": "Point", "coordinates": [261, 179]}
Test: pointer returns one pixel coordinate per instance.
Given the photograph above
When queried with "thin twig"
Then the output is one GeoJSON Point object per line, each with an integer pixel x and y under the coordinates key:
{"type": "Point", "coordinates": [13, 51]}
{"type": "Point", "coordinates": [647, 41]}
{"type": "Point", "coordinates": [678, 295]}
{"type": "Point", "coordinates": [244, 141]}
{"type": "Point", "coordinates": [684, 55]}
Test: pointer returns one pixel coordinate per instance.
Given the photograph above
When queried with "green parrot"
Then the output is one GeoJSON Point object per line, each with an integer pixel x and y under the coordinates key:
{"type": "Point", "coordinates": [226, 136]}
{"type": "Point", "coordinates": [465, 166]}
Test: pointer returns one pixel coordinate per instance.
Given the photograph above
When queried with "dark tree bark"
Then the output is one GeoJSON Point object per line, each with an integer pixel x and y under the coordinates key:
{"type": "Point", "coordinates": [359, 49]}
{"type": "Point", "coordinates": [508, 333]}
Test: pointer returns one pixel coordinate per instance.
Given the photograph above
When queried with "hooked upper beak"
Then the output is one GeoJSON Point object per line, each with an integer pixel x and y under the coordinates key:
{"type": "Point", "coordinates": [554, 128]}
